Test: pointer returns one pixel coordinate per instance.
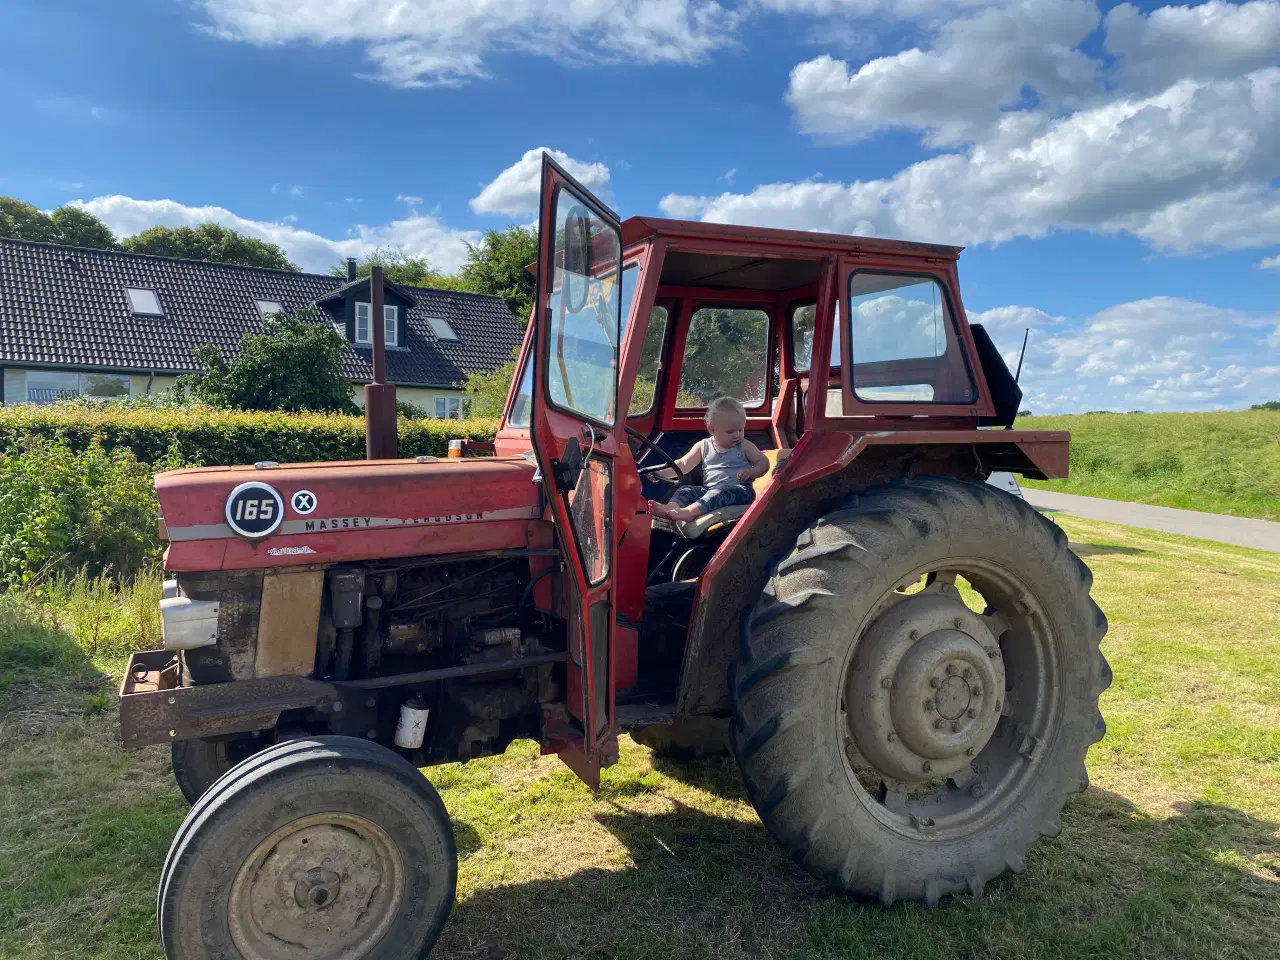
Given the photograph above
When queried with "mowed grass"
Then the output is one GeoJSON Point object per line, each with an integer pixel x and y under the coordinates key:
{"type": "Point", "coordinates": [1216, 462]}
{"type": "Point", "coordinates": [1172, 853]}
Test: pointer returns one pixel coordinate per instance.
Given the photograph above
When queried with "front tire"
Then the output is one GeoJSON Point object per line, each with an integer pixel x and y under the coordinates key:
{"type": "Point", "coordinates": [330, 847]}
{"type": "Point", "coordinates": [896, 742]}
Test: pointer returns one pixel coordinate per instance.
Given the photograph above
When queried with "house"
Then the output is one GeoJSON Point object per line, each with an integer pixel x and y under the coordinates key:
{"type": "Point", "coordinates": [103, 323]}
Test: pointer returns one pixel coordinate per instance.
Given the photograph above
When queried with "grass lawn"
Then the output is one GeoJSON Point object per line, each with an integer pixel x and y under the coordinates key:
{"type": "Point", "coordinates": [1172, 853]}
{"type": "Point", "coordinates": [1216, 462]}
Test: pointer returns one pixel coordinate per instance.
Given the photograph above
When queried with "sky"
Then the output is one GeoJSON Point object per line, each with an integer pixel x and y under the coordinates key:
{"type": "Point", "coordinates": [1112, 170]}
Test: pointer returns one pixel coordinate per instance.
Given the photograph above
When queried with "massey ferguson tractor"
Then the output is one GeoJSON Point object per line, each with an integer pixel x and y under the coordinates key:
{"type": "Point", "coordinates": [902, 659]}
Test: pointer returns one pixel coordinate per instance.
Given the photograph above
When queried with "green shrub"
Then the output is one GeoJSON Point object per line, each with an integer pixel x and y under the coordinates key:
{"type": "Point", "coordinates": [63, 510]}
{"type": "Point", "coordinates": [210, 436]}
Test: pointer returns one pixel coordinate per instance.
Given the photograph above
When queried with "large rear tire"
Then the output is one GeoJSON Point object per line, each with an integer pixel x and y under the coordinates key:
{"type": "Point", "coordinates": [896, 742]}
{"type": "Point", "coordinates": [328, 847]}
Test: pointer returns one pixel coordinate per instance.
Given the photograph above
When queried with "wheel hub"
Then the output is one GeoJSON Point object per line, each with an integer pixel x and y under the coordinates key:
{"type": "Point", "coordinates": [925, 688]}
{"type": "Point", "coordinates": [327, 885]}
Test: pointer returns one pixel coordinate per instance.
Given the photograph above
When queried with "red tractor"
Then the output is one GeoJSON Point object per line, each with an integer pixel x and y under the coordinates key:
{"type": "Point", "coordinates": [902, 659]}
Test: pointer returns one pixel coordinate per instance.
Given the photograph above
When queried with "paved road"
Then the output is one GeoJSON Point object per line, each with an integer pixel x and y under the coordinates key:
{"type": "Point", "coordinates": [1260, 534]}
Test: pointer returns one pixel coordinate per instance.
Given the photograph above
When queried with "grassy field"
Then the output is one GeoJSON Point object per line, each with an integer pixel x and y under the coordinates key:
{"type": "Point", "coordinates": [1217, 462]}
{"type": "Point", "coordinates": [1172, 853]}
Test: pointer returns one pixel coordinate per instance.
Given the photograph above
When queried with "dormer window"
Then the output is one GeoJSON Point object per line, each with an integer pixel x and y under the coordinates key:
{"type": "Point", "coordinates": [440, 327]}
{"type": "Point", "coordinates": [390, 320]}
{"type": "Point", "coordinates": [267, 307]}
{"type": "Point", "coordinates": [144, 302]}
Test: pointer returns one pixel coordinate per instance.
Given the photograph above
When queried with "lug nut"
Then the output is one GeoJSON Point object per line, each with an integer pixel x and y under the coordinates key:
{"type": "Point", "coordinates": [951, 669]}
{"type": "Point", "coordinates": [930, 704]}
{"type": "Point", "coordinates": [887, 682]}
{"type": "Point", "coordinates": [958, 622]}
{"type": "Point", "coordinates": [939, 724]}
{"type": "Point", "coordinates": [978, 790]}
{"type": "Point", "coordinates": [955, 726]}
{"type": "Point", "coordinates": [935, 682]}
{"type": "Point", "coordinates": [972, 713]}
{"type": "Point", "coordinates": [892, 738]}
{"type": "Point", "coordinates": [993, 652]}
{"type": "Point", "coordinates": [927, 767]}
{"type": "Point", "coordinates": [371, 702]}
{"type": "Point", "coordinates": [969, 752]}
{"type": "Point", "coordinates": [967, 673]}
{"type": "Point", "coordinates": [915, 635]}
{"type": "Point", "coordinates": [976, 689]}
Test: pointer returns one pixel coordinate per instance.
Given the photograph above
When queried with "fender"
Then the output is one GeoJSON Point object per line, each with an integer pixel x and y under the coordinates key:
{"type": "Point", "coordinates": [824, 468]}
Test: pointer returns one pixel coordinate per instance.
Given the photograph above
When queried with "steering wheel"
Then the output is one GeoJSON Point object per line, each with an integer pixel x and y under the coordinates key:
{"type": "Point", "coordinates": [652, 470]}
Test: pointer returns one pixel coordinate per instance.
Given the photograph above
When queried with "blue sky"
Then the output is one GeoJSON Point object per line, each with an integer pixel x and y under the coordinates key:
{"type": "Point", "coordinates": [1112, 170]}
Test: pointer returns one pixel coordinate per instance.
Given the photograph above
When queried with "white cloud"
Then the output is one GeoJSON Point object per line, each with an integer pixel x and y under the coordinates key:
{"type": "Point", "coordinates": [514, 192]}
{"type": "Point", "coordinates": [445, 42]}
{"type": "Point", "coordinates": [417, 235]}
{"type": "Point", "coordinates": [408, 198]}
{"type": "Point", "coordinates": [1187, 168]}
{"type": "Point", "coordinates": [1205, 41]}
{"type": "Point", "coordinates": [955, 89]}
{"type": "Point", "coordinates": [1153, 354]}
{"type": "Point", "coordinates": [1270, 263]}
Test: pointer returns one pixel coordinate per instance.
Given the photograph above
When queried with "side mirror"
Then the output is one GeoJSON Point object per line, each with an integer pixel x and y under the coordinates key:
{"type": "Point", "coordinates": [577, 258]}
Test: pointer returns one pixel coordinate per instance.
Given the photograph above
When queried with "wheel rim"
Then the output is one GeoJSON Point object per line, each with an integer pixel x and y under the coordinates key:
{"type": "Point", "coordinates": [944, 711]}
{"type": "Point", "coordinates": [326, 887]}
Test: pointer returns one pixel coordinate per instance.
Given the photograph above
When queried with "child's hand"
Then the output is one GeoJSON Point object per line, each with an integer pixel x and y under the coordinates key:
{"type": "Point", "coordinates": [746, 474]}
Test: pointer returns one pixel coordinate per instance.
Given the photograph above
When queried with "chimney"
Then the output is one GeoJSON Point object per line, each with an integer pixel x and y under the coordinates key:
{"type": "Point", "coordinates": [351, 269]}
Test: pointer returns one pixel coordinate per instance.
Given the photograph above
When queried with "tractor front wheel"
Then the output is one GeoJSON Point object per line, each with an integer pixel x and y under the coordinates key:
{"type": "Point", "coordinates": [917, 689]}
{"type": "Point", "coordinates": [327, 847]}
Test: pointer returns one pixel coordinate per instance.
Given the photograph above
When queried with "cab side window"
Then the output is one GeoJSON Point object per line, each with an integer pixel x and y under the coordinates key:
{"type": "Point", "coordinates": [904, 342]}
{"type": "Point", "coordinates": [725, 354]}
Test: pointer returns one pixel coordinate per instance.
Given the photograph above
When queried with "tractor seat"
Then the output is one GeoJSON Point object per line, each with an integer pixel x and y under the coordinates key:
{"type": "Point", "coordinates": [717, 521]}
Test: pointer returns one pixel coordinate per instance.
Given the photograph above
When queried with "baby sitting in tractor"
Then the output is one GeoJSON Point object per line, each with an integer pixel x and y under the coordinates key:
{"type": "Point", "coordinates": [729, 463]}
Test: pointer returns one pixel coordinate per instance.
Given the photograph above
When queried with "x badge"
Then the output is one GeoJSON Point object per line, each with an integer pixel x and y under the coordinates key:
{"type": "Point", "coordinates": [304, 501]}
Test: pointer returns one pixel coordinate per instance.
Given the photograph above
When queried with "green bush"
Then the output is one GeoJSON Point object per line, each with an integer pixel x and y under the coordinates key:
{"type": "Point", "coordinates": [63, 510]}
{"type": "Point", "coordinates": [209, 436]}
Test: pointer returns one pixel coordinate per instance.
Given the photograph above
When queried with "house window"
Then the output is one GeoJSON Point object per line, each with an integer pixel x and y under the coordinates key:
{"type": "Point", "coordinates": [364, 330]}
{"type": "Point", "coordinates": [49, 386]}
{"type": "Point", "coordinates": [390, 318]}
{"type": "Point", "coordinates": [451, 408]}
{"type": "Point", "coordinates": [144, 302]}
{"type": "Point", "coordinates": [267, 307]}
{"type": "Point", "coordinates": [440, 327]}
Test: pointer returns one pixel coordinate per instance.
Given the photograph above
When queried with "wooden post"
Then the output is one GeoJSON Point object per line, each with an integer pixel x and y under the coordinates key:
{"type": "Point", "coordinates": [380, 440]}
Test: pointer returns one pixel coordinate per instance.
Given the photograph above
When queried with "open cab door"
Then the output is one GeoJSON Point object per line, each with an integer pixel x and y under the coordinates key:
{"type": "Point", "coordinates": [577, 438]}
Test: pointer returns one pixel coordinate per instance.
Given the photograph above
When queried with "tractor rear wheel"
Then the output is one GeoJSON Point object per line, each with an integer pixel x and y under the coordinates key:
{"type": "Point", "coordinates": [330, 847]}
{"type": "Point", "coordinates": [896, 741]}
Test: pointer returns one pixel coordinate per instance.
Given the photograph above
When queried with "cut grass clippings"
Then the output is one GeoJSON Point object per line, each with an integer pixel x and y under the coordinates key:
{"type": "Point", "coordinates": [1171, 854]}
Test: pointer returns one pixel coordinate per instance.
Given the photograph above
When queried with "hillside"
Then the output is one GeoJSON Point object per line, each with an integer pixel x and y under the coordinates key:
{"type": "Point", "coordinates": [1216, 462]}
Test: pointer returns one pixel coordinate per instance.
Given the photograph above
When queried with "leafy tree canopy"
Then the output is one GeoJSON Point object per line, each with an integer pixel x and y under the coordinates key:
{"type": "Point", "coordinates": [497, 266]}
{"type": "Point", "coordinates": [488, 391]}
{"type": "Point", "coordinates": [66, 225]}
{"type": "Point", "coordinates": [399, 267]}
{"type": "Point", "coordinates": [295, 364]}
{"type": "Point", "coordinates": [209, 241]}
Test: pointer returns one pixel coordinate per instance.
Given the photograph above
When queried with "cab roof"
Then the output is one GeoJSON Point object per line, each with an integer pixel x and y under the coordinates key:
{"type": "Point", "coordinates": [690, 233]}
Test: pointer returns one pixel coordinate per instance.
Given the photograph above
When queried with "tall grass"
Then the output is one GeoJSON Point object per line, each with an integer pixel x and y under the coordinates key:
{"type": "Point", "coordinates": [1217, 462]}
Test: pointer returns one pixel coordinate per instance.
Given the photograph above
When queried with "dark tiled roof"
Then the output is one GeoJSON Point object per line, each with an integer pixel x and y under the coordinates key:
{"type": "Point", "coordinates": [65, 306]}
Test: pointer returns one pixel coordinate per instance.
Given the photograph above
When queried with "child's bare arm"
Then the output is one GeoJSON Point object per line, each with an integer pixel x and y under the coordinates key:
{"type": "Point", "coordinates": [685, 463]}
{"type": "Point", "coordinates": [759, 464]}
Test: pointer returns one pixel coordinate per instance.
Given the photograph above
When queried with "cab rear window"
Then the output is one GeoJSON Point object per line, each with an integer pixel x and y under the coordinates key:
{"type": "Point", "coordinates": [726, 354]}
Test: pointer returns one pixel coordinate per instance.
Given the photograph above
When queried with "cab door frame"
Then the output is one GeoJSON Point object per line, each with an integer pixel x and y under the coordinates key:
{"type": "Point", "coordinates": [560, 431]}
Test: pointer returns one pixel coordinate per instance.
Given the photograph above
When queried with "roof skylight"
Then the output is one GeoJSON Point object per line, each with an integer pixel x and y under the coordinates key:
{"type": "Point", "coordinates": [268, 307]}
{"type": "Point", "coordinates": [144, 302]}
{"type": "Point", "coordinates": [440, 327]}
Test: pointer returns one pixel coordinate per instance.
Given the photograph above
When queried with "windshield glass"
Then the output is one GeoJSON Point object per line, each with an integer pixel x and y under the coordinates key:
{"type": "Point", "coordinates": [584, 310]}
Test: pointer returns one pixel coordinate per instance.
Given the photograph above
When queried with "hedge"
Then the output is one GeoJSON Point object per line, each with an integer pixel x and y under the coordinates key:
{"type": "Point", "coordinates": [209, 436]}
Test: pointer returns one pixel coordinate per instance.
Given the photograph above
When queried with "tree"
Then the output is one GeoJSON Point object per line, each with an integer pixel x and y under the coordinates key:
{"type": "Point", "coordinates": [497, 266]}
{"type": "Point", "coordinates": [209, 241]}
{"type": "Point", "coordinates": [66, 225]}
{"type": "Point", "coordinates": [1268, 405]}
{"type": "Point", "coordinates": [488, 391]}
{"type": "Point", "coordinates": [399, 267]}
{"type": "Point", "coordinates": [294, 364]}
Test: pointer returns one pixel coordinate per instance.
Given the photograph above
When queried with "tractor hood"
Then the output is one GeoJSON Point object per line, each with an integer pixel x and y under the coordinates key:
{"type": "Point", "coordinates": [227, 518]}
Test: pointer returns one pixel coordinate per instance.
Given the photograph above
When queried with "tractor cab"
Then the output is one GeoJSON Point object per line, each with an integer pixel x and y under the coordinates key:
{"type": "Point", "coordinates": [828, 343]}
